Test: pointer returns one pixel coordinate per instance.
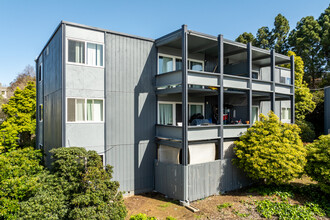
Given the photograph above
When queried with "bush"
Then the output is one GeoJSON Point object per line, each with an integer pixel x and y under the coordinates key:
{"type": "Point", "coordinates": [271, 150]}
{"type": "Point", "coordinates": [141, 216]}
{"type": "Point", "coordinates": [19, 170]}
{"type": "Point", "coordinates": [307, 133]}
{"type": "Point", "coordinates": [88, 186]}
{"type": "Point", "coordinates": [49, 202]}
{"type": "Point", "coordinates": [318, 162]}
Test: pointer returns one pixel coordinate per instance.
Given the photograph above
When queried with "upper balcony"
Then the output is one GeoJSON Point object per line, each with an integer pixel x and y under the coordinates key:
{"type": "Point", "coordinates": [238, 67]}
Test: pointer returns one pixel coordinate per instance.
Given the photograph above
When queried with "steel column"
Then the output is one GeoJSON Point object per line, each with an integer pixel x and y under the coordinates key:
{"type": "Point", "coordinates": [249, 68]}
{"type": "Point", "coordinates": [184, 46]}
{"type": "Point", "coordinates": [293, 89]}
{"type": "Point", "coordinates": [220, 94]}
{"type": "Point", "coordinates": [272, 78]}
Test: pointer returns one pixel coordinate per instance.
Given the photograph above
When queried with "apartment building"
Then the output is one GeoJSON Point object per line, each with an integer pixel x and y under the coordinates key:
{"type": "Point", "coordinates": [163, 112]}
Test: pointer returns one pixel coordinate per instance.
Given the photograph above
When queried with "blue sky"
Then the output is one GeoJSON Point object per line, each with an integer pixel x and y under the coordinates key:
{"type": "Point", "coordinates": [27, 25]}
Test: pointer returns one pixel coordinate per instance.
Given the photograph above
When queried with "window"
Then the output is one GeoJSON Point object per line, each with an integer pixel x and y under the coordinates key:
{"type": "Point", "coordinates": [39, 73]}
{"type": "Point", "coordinates": [41, 112]}
{"type": "Point", "coordinates": [94, 54]}
{"type": "Point", "coordinates": [195, 109]}
{"type": "Point", "coordinates": [198, 66]}
{"type": "Point", "coordinates": [76, 50]}
{"type": "Point", "coordinates": [94, 110]}
{"type": "Point", "coordinates": [286, 113]}
{"type": "Point", "coordinates": [255, 114]}
{"type": "Point", "coordinates": [170, 113]}
{"type": "Point", "coordinates": [172, 63]}
{"type": "Point", "coordinates": [165, 64]}
{"type": "Point", "coordinates": [255, 75]}
{"type": "Point", "coordinates": [166, 114]}
{"type": "Point", "coordinates": [81, 110]}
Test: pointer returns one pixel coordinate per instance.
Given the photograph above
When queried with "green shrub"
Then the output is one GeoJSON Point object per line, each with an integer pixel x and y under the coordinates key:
{"type": "Point", "coordinates": [90, 192]}
{"type": "Point", "coordinates": [318, 162]}
{"type": "Point", "coordinates": [283, 210]}
{"type": "Point", "coordinates": [307, 133]}
{"type": "Point", "coordinates": [141, 216]}
{"type": "Point", "coordinates": [271, 150]}
{"type": "Point", "coordinates": [19, 170]}
{"type": "Point", "coordinates": [49, 202]}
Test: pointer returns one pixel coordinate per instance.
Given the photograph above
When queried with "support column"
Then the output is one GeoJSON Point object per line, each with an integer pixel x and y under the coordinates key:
{"type": "Point", "coordinates": [293, 90]}
{"type": "Point", "coordinates": [249, 69]}
{"type": "Point", "coordinates": [272, 78]}
{"type": "Point", "coordinates": [220, 93]}
{"type": "Point", "coordinates": [185, 113]}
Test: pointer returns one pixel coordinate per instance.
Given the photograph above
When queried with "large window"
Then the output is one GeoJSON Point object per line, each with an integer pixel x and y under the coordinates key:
{"type": "Point", "coordinates": [170, 113]}
{"type": "Point", "coordinates": [92, 56]}
{"type": "Point", "coordinates": [76, 51]}
{"type": "Point", "coordinates": [285, 113]}
{"type": "Point", "coordinates": [171, 63]}
{"type": "Point", "coordinates": [80, 110]}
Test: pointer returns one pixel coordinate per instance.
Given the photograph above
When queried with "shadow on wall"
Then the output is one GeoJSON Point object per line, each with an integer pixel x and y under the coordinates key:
{"type": "Point", "coordinates": [145, 113]}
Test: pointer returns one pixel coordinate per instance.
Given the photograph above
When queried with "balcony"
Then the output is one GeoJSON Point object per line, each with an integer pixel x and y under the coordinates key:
{"type": "Point", "coordinates": [195, 133]}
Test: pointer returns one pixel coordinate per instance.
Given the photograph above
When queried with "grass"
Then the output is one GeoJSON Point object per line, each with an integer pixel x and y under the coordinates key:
{"type": "Point", "coordinates": [224, 205]}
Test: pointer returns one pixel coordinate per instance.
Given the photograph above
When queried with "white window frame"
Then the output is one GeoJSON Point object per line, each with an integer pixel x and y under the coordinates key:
{"type": "Point", "coordinates": [85, 54]}
{"type": "Point", "coordinates": [40, 72]}
{"type": "Point", "coordinates": [288, 119]}
{"type": "Point", "coordinates": [85, 113]}
{"type": "Point", "coordinates": [258, 112]}
{"type": "Point", "coordinates": [174, 109]}
{"type": "Point", "coordinates": [174, 58]}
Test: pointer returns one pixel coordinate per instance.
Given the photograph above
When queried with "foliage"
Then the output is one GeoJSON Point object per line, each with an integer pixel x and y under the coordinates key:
{"type": "Point", "coordinates": [89, 188]}
{"type": "Point", "coordinates": [19, 170]}
{"type": "Point", "coordinates": [224, 205]}
{"type": "Point", "coordinates": [20, 124]}
{"type": "Point", "coordinates": [170, 218]}
{"type": "Point", "coordinates": [141, 216]}
{"type": "Point", "coordinates": [307, 133]}
{"type": "Point", "coordinates": [318, 162]}
{"type": "Point", "coordinates": [304, 103]}
{"type": "Point", "coordinates": [315, 200]}
{"type": "Point", "coordinates": [283, 210]}
{"type": "Point", "coordinates": [22, 79]}
{"type": "Point", "coordinates": [49, 202]}
{"type": "Point", "coordinates": [245, 38]}
{"type": "Point", "coordinates": [324, 21]}
{"type": "Point", "coordinates": [305, 40]}
{"type": "Point", "coordinates": [279, 34]}
{"type": "Point", "coordinates": [317, 116]}
{"type": "Point", "coordinates": [263, 38]}
{"type": "Point", "coordinates": [271, 150]}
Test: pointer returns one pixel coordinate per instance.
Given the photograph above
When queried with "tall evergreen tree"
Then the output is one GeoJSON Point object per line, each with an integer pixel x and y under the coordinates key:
{"type": "Point", "coordinates": [279, 34]}
{"type": "Point", "coordinates": [305, 40]}
{"type": "Point", "coordinates": [19, 127]}
{"type": "Point", "coordinates": [264, 38]}
{"type": "Point", "coordinates": [245, 38]}
{"type": "Point", "coordinates": [324, 21]}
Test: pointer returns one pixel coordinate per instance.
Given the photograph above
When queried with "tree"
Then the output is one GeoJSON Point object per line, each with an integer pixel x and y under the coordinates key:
{"type": "Point", "coordinates": [304, 103]}
{"type": "Point", "coordinates": [318, 162]}
{"type": "Point", "coordinates": [279, 34]}
{"type": "Point", "coordinates": [264, 38]}
{"type": "Point", "coordinates": [271, 150]}
{"type": "Point", "coordinates": [317, 116]}
{"type": "Point", "coordinates": [324, 21]}
{"type": "Point", "coordinates": [27, 75]}
{"type": "Point", "coordinates": [91, 193]}
{"type": "Point", "coordinates": [19, 170]}
{"type": "Point", "coordinates": [305, 40]}
{"type": "Point", "coordinates": [245, 38]}
{"type": "Point", "coordinates": [19, 127]}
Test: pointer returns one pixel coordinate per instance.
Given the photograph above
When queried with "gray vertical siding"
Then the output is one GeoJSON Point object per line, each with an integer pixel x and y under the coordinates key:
{"type": "Point", "coordinates": [52, 94]}
{"type": "Point", "coordinates": [327, 110]}
{"type": "Point", "coordinates": [204, 179]}
{"type": "Point", "coordinates": [131, 111]}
